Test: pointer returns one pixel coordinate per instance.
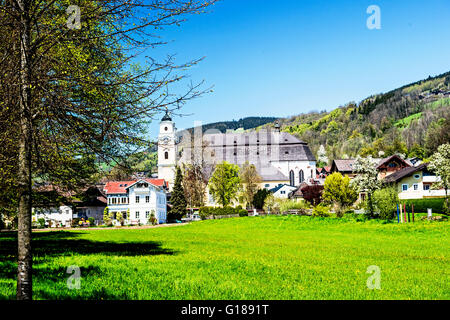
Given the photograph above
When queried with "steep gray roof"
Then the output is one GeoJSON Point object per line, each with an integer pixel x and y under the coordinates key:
{"type": "Point", "coordinates": [271, 146]}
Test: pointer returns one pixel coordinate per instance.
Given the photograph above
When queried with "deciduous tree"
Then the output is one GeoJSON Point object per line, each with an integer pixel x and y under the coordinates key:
{"type": "Point", "coordinates": [224, 183]}
{"type": "Point", "coordinates": [338, 190]}
{"type": "Point", "coordinates": [250, 180]}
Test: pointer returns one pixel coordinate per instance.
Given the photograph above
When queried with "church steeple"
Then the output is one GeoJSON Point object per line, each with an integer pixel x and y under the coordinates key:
{"type": "Point", "coordinates": [167, 150]}
{"type": "Point", "coordinates": [166, 117]}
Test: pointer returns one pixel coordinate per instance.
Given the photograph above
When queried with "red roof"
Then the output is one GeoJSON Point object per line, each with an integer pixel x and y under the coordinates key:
{"type": "Point", "coordinates": [120, 187]}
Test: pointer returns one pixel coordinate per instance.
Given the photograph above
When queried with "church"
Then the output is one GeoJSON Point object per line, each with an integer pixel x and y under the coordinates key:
{"type": "Point", "coordinates": [280, 158]}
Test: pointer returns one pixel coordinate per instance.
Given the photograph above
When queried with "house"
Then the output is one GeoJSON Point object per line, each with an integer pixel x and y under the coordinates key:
{"type": "Point", "coordinates": [345, 167]}
{"type": "Point", "coordinates": [55, 215]}
{"type": "Point", "coordinates": [322, 173]}
{"type": "Point", "coordinates": [137, 200]}
{"type": "Point", "coordinates": [389, 165]}
{"type": "Point", "coordinates": [414, 183]}
{"type": "Point", "coordinates": [385, 166]}
{"type": "Point", "coordinates": [92, 205]}
{"type": "Point", "coordinates": [53, 205]}
{"type": "Point", "coordinates": [283, 191]}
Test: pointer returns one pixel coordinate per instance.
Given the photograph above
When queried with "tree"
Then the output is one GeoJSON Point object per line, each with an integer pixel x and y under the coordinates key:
{"type": "Point", "coordinates": [440, 165]}
{"type": "Point", "coordinates": [76, 95]}
{"type": "Point", "coordinates": [271, 205]}
{"type": "Point", "coordinates": [386, 201]}
{"type": "Point", "coordinates": [194, 185]}
{"type": "Point", "coordinates": [366, 180]}
{"type": "Point", "coordinates": [322, 157]}
{"type": "Point", "coordinates": [312, 193]}
{"type": "Point", "coordinates": [438, 133]}
{"type": "Point", "coordinates": [250, 181]}
{"type": "Point", "coordinates": [338, 190]}
{"type": "Point", "coordinates": [260, 197]}
{"type": "Point", "coordinates": [224, 183]}
{"type": "Point", "coordinates": [178, 199]}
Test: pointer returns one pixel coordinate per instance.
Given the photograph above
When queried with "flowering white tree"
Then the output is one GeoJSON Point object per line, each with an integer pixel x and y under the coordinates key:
{"type": "Point", "coordinates": [322, 155]}
{"type": "Point", "coordinates": [440, 165]}
{"type": "Point", "coordinates": [366, 179]}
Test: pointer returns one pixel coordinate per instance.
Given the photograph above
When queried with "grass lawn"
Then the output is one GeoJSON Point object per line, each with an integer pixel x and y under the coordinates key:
{"type": "Point", "coordinates": [284, 257]}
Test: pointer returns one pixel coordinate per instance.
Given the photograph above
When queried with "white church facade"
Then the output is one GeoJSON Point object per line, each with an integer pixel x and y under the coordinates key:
{"type": "Point", "coordinates": [280, 158]}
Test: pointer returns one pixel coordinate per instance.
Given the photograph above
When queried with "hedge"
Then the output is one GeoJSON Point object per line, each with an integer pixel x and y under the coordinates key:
{"type": "Point", "coordinates": [212, 211]}
{"type": "Point", "coordinates": [422, 205]}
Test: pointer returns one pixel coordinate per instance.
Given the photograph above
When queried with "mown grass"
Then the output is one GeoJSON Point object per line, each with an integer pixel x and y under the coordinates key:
{"type": "Point", "coordinates": [285, 257]}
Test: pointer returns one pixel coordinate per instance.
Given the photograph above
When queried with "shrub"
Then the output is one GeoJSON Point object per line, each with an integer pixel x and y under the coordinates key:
{"type": "Point", "coordinates": [421, 205]}
{"type": "Point", "coordinates": [386, 201]}
{"type": "Point", "coordinates": [91, 221]}
{"type": "Point", "coordinates": [287, 205]}
{"type": "Point", "coordinates": [212, 211]}
{"type": "Point", "coordinates": [152, 220]}
{"type": "Point", "coordinates": [321, 211]}
{"type": "Point", "coordinates": [107, 217]}
{"type": "Point", "coordinates": [41, 222]}
{"type": "Point", "coordinates": [119, 217]}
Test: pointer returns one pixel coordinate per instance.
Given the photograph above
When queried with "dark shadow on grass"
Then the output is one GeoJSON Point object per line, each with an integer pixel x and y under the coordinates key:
{"type": "Point", "coordinates": [63, 243]}
{"type": "Point", "coordinates": [66, 243]}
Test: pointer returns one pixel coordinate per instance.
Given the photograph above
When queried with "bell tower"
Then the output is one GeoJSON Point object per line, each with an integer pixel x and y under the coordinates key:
{"type": "Point", "coordinates": [167, 150]}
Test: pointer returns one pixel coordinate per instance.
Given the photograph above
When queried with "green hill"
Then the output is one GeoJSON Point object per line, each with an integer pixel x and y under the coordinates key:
{"type": "Point", "coordinates": [413, 120]}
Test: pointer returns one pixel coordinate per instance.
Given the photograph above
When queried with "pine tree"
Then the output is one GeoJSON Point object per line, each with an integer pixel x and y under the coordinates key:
{"type": "Point", "coordinates": [178, 199]}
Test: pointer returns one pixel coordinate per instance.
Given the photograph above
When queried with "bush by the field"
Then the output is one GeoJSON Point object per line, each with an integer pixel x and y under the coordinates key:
{"type": "Point", "coordinates": [213, 211]}
{"type": "Point", "coordinates": [421, 205]}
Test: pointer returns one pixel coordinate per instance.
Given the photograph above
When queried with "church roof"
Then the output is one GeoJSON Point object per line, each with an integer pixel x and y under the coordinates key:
{"type": "Point", "coordinates": [166, 117]}
{"type": "Point", "coordinates": [289, 147]}
{"type": "Point", "coordinates": [120, 187]}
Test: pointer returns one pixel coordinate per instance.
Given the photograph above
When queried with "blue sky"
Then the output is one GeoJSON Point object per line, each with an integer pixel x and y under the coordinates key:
{"type": "Point", "coordinates": [282, 58]}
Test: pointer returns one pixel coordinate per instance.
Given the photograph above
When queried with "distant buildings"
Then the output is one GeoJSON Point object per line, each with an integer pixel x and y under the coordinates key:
{"type": "Point", "coordinates": [136, 200]}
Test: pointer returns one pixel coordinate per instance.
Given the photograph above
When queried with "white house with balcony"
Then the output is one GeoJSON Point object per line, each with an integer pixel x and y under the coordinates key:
{"type": "Point", "coordinates": [137, 200]}
{"type": "Point", "coordinates": [415, 183]}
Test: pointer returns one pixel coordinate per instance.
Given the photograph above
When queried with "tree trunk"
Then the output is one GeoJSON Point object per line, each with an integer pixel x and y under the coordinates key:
{"type": "Point", "coordinates": [24, 267]}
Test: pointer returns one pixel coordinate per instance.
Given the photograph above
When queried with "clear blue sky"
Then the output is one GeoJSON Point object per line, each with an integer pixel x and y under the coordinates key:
{"type": "Point", "coordinates": [282, 58]}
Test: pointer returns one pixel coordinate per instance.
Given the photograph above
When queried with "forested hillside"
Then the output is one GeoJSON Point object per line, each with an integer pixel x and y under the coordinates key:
{"type": "Point", "coordinates": [245, 123]}
{"type": "Point", "coordinates": [412, 120]}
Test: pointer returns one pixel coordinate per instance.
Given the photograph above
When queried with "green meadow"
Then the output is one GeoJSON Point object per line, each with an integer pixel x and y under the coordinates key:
{"type": "Point", "coordinates": [275, 257]}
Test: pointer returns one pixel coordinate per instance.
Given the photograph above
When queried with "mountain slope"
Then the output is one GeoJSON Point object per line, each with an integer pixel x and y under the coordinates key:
{"type": "Point", "coordinates": [412, 120]}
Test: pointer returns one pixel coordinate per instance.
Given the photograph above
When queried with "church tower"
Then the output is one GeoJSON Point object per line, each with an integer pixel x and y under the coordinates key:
{"type": "Point", "coordinates": [167, 150]}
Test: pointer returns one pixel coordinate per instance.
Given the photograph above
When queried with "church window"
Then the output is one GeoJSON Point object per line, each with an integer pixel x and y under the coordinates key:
{"type": "Point", "coordinates": [301, 176]}
{"type": "Point", "coordinates": [166, 155]}
{"type": "Point", "coordinates": [291, 178]}
{"type": "Point", "coordinates": [166, 129]}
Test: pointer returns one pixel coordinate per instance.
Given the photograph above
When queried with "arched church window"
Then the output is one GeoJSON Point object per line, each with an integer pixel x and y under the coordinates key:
{"type": "Point", "coordinates": [292, 178]}
{"type": "Point", "coordinates": [166, 155]}
{"type": "Point", "coordinates": [166, 128]}
{"type": "Point", "coordinates": [301, 175]}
